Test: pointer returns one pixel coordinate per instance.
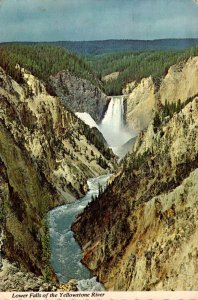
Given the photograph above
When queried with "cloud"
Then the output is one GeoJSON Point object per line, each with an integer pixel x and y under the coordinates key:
{"type": "Point", "coordinates": [96, 19]}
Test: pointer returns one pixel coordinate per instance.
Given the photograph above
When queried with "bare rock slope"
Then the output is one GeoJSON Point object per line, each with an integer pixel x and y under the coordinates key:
{"type": "Point", "coordinates": [80, 95]}
{"type": "Point", "coordinates": [144, 98]}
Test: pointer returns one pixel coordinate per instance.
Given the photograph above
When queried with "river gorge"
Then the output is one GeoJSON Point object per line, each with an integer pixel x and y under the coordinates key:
{"type": "Point", "coordinates": [140, 232]}
{"type": "Point", "coordinates": [65, 251]}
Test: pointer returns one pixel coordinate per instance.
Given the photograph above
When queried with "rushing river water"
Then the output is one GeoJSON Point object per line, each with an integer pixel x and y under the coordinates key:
{"type": "Point", "coordinates": [65, 251]}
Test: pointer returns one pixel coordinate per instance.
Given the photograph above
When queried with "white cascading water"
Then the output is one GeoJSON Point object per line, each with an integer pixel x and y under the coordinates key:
{"type": "Point", "coordinates": [112, 126]}
{"type": "Point", "coordinates": [87, 119]}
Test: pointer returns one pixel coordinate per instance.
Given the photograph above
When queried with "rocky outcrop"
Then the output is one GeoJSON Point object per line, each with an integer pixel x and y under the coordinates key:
{"type": "Point", "coordinates": [110, 77]}
{"type": "Point", "coordinates": [12, 278]}
{"type": "Point", "coordinates": [181, 82]}
{"type": "Point", "coordinates": [25, 198]}
{"type": "Point", "coordinates": [46, 156]}
{"type": "Point", "coordinates": [145, 98]}
{"type": "Point", "coordinates": [80, 95]}
{"type": "Point", "coordinates": [143, 233]}
{"type": "Point", "coordinates": [140, 104]}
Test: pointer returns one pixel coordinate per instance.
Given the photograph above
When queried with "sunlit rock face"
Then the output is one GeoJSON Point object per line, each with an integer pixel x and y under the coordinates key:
{"type": "Point", "coordinates": [140, 105]}
{"type": "Point", "coordinates": [181, 82]}
{"type": "Point", "coordinates": [144, 98]}
{"type": "Point", "coordinates": [53, 136]}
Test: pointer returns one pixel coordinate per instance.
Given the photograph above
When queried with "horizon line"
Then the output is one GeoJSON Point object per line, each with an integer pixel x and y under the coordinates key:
{"type": "Point", "coordinates": [105, 40]}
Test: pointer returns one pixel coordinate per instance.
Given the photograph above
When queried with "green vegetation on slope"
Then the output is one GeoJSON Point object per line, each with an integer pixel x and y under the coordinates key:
{"type": "Point", "coordinates": [117, 46]}
{"type": "Point", "coordinates": [134, 66]}
{"type": "Point", "coordinates": [167, 111]}
{"type": "Point", "coordinates": [43, 61]}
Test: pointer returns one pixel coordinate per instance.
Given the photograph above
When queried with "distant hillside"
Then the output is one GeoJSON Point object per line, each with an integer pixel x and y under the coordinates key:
{"type": "Point", "coordinates": [112, 46]}
{"type": "Point", "coordinates": [64, 73]}
{"type": "Point", "coordinates": [131, 60]}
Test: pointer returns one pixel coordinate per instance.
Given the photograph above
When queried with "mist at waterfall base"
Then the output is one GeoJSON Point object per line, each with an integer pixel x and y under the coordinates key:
{"type": "Point", "coordinates": [112, 126]}
{"type": "Point", "coordinates": [65, 251]}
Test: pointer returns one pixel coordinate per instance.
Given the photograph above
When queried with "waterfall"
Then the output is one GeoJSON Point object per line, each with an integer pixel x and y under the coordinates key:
{"type": "Point", "coordinates": [112, 126]}
{"type": "Point", "coordinates": [114, 115]}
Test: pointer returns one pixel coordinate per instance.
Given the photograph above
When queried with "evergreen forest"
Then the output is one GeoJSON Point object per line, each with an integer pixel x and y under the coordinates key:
{"type": "Point", "coordinates": [44, 60]}
{"type": "Point", "coordinates": [133, 66]}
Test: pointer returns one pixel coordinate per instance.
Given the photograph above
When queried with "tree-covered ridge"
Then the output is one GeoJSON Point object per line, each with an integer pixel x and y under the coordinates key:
{"type": "Point", "coordinates": [117, 46]}
{"type": "Point", "coordinates": [43, 61]}
{"type": "Point", "coordinates": [99, 47]}
{"type": "Point", "coordinates": [134, 66]}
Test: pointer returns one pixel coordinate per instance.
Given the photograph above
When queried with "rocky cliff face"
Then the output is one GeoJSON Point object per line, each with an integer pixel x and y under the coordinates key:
{"type": "Point", "coordinates": [140, 105]}
{"type": "Point", "coordinates": [46, 156]}
{"type": "Point", "coordinates": [143, 233]}
{"type": "Point", "coordinates": [145, 98]}
{"type": "Point", "coordinates": [180, 82]}
{"type": "Point", "coordinates": [80, 95]}
{"type": "Point", "coordinates": [60, 144]}
{"type": "Point", "coordinates": [25, 197]}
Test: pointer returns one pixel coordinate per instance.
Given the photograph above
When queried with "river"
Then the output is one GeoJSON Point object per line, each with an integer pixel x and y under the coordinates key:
{"type": "Point", "coordinates": [65, 251]}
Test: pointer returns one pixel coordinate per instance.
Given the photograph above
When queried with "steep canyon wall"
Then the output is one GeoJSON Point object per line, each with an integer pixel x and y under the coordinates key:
{"type": "Point", "coordinates": [141, 233]}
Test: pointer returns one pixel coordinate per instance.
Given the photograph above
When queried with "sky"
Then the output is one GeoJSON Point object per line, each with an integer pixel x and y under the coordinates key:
{"type": "Point", "coordinates": [58, 20]}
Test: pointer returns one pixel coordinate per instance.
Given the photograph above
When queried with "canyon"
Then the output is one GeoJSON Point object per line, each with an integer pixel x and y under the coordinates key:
{"type": "Point", "coordinates": [137, 233]}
